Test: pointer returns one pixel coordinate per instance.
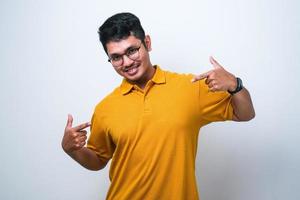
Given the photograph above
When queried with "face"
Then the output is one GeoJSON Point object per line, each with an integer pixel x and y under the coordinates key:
{"type": "Point", "coordinates": [138, 70]}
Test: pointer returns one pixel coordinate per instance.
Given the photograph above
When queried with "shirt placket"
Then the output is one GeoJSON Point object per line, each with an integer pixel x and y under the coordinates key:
{"type": "Point", "coordinates": [145, 97]}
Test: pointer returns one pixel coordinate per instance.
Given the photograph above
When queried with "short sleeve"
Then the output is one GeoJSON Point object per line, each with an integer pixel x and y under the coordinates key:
{"type": "Point", "coordinates": [214, 106]}
{"type": "Point", "coordinates": [99, 140]}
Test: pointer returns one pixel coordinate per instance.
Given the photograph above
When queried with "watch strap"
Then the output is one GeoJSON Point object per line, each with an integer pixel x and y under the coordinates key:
{"type": "Point", "coordinates": [238, 88]}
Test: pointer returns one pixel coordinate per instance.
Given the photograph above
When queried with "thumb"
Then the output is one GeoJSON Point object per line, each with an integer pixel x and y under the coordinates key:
{"type": "Point", "coordinates": [214, 62]}
{"type": "Point", "coordinates": [70, 121]}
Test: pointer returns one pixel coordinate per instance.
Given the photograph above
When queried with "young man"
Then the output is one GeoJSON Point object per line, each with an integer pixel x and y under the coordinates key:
{"type": "Point", "coordinates": [149, 125]}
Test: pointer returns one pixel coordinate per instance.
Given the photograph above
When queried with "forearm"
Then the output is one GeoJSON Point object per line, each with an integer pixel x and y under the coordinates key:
{"type": "Point", "coordinates": [88, 159]}
{"type": "Point", "coordinates": [243, 109]}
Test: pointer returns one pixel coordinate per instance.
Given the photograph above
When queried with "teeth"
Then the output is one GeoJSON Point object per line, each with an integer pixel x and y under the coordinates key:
{"type": "Point", "coordinates": [130, 69]}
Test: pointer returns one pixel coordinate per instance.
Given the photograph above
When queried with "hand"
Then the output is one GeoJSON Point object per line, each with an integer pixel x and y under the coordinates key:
{"type": "Point", "coordinates": [217, 79]}
{"type": "Point", "coordinates": [74, 137]}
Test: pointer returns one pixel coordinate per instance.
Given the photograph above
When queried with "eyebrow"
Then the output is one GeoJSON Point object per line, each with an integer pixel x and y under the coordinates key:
{"type": "Point", "coordinates": [128, 48]}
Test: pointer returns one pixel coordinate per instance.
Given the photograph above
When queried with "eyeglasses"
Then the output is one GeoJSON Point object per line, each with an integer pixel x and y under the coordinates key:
{"type": "Point", "coordinates": [132, 53]}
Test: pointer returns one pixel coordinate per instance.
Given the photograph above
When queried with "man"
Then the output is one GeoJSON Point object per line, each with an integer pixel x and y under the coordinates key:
{"type": "Point", "coordinates": [149, 125]}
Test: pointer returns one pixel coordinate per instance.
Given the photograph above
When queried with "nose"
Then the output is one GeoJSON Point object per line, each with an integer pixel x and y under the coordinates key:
{"type": "Point", "coordinates": [127, 61]}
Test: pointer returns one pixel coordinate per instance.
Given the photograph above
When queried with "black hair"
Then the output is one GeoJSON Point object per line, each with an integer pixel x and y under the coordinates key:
{"type": "Point", "coordinates": [120, 26]}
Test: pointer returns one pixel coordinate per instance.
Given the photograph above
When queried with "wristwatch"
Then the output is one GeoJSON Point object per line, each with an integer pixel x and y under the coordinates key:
{"type": "Point", "coordinates": [239, 86]}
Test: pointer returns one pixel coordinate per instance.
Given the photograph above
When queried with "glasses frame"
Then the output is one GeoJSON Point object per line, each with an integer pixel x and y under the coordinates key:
{"type": "Point", "coordinates": [128, 54]}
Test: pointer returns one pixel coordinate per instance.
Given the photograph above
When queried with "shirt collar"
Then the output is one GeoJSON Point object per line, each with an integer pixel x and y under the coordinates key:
{"type": "Point", "coordinates": [158, 78]}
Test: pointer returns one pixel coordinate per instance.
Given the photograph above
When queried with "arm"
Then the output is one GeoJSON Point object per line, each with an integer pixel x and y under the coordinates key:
{"type": "Point", "coordinates": [73, 144]}
{"type": "Point", "coordinates": [87, 158]}
{"type": "Point", "coordinates": [243, 109]}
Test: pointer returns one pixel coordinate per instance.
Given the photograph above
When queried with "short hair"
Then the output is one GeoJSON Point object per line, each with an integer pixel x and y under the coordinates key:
{"type": "Point", "coordinates": [120, 26]}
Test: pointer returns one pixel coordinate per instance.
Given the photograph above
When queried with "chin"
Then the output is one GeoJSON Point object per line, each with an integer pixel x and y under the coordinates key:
{"type": "Point", "coordinates": [133, 78]}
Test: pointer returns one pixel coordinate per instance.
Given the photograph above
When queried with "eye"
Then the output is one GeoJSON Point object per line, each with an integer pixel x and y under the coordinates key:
{"type": "Point", "coordinates": [132, 51]}
{"type": "Point", "coordinates": [116, 58]}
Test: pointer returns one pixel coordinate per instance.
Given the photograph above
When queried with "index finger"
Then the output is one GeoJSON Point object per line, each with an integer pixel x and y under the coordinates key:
{"type": "Point", "coordinates": [82, 126]}
{"type": "Point", "coordinates": [200, 76]}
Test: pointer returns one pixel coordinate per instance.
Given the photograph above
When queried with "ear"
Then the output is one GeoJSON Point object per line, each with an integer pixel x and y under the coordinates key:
{"type": "Point", "coordinates": [148, 42]}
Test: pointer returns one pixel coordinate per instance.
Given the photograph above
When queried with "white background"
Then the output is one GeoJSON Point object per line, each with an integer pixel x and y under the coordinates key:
{"type": "Point", "coordinates": [52, 64]}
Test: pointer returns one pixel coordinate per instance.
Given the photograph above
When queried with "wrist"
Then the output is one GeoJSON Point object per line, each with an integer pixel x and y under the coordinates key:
{"type": "Point", "coordinates": [233, 84]}
{"type": "Point", "coordinates": [75, 153]}
{"type": "Point", "coordinates": [238, 86]}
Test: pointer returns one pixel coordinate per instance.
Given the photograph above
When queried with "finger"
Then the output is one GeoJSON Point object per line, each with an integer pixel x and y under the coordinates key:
{"type": "Point", "coordinates": [83, 139]}
{"type": "Point", "coordinates": [213, 84]}
{"type": "Point", "coordinates": [216, 87]}
{"type": "Point", "coordinates": [214, 62]}
{"type": "Point", "coordinates": [82, 126]}
{"type": "Point", "coordinates": [77, 146]}
{"type": "Point", "coordinates": [210, 85]}
{"type": "Point", "coordinates": [208, 80]}
{"type": "Point", "coordinates": [80, 145]}
{"type": "Point", "coordinates": [83, 132]}
{"type": "Point", "coordinates": [78, 134]}
{"type": "Point", "coordinates": [80, 139]}
{"type": "Point", "coordinates": [70, 121]}
{"type": "Point", "coordinates": [200, 77]}
{"type": "Point", "coordinates": [213, 88]}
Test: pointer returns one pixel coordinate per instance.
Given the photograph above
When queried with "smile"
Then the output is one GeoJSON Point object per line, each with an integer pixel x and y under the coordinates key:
{"type": "Point", "coordinates": [131, 70]}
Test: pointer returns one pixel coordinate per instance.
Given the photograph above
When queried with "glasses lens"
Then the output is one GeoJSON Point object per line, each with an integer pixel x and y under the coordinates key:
{"type": "Point", "coordinates": [133, 54]}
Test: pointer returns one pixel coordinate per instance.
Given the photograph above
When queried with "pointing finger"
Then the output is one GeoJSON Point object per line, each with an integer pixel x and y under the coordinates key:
{"type": "Point", "coordinates": [83, 132]}
{"type": "Point", "coordinates": [70, 121]}
{"type": "Point", "coordinates": [82, 126]}
{"type": "Point", "coordinates": [200, 77]}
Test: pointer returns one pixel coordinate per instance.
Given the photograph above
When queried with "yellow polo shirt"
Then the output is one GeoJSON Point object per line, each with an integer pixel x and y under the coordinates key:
{"type": "Point", "coordinates": [151, 135]}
